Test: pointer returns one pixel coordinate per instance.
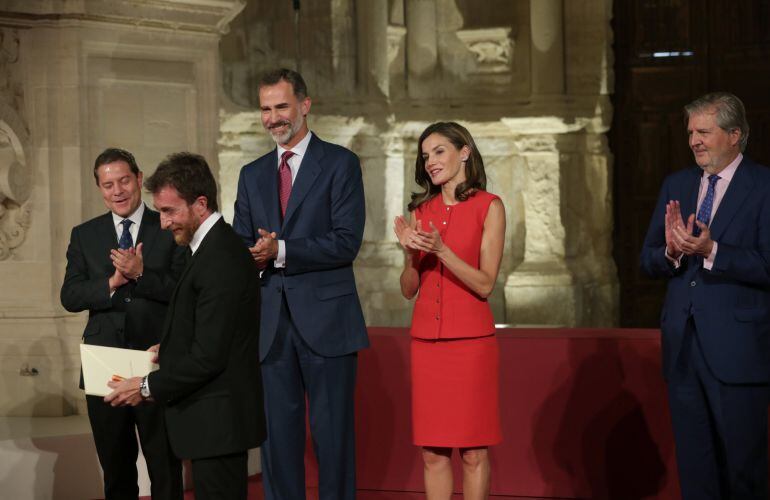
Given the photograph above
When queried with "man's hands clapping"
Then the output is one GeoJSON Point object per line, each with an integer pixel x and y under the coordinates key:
{"type": "Point", "coordinates": [265, 249]}
{"type": "Point", "coordinates": [679, 235]}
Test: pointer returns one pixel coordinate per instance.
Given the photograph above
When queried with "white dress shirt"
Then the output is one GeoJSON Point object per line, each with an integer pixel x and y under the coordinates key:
{"type": "Point", "coordinates": [135, 217]}
{"type": "Point", "coordinates": [203, 230]}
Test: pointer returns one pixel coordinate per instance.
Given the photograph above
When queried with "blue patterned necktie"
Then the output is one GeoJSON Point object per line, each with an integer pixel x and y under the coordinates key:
{"type": "Point", "coordinates": [704, 212]}
{"type": "Point", "coordinates": [126, 241]}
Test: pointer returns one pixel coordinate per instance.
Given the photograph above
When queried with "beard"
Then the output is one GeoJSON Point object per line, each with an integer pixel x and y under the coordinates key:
{"type": "Point", "coordinates": [291, 130]}
{"type": "Point", "coordinates": [183, 233]}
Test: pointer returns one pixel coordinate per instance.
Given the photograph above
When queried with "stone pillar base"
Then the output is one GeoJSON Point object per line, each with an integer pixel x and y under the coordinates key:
{"type": "Point", "coordinates": [542, 294]}
{"type": "Point", "coordinates": [378, 271]}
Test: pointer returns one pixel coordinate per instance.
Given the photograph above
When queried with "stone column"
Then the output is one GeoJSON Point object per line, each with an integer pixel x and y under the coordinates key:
{"type": "Point", "coordinates": [373, 48]}
{"type": "Point", "coordinates": [542, 290]}
{"type": "Point", "coordinates": [421, 46]}
{"type": "Point", "coordinates": [547, 57]}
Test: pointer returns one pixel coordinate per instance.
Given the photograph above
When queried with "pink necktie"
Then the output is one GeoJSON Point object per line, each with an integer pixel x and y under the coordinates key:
{"type": "Point", "coordinates": [284, 181]}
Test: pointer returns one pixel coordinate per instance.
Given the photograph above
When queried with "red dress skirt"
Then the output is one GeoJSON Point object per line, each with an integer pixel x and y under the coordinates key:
{"type": "Point", "coordinates": [455, 392]}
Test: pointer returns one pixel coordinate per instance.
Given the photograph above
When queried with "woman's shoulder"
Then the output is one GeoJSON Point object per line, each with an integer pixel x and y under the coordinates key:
{"type": "Point", "coordinates": [483, 198]}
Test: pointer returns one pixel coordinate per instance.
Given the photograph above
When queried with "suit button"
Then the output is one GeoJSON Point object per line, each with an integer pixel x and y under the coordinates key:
{"type": "Point", "coordinates": [437, 317]}
{"type": "Point", "coordinates": [438, 301]}
{"type": "Point", "coordinates": [127, 299]}
{"type": "Point", "coordinates": [278, 289]}
{"type": "Point", "coordinates": [692, 283]}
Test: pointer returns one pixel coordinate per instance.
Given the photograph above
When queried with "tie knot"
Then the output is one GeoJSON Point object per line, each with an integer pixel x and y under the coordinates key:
{"type": "Point", "coordinates": [713, 178]}
{"type": "Point", "coordinates": [126, 223]}
{"type": "Point", "coordinates": [286, 155]}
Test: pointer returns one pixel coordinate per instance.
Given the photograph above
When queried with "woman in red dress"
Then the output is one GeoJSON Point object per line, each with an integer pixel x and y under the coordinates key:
{"type": "Point", "coordinates": [453, 245]}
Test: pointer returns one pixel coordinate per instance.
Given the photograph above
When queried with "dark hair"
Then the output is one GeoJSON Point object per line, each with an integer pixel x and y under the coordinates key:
{"type": "Point", "coordinates": [189, 174]}
{"type": "Point", "coordinates": [730, 113]}
{"type": "Point", "coordinates": [287, 75]}
{"type": "Point", "coordinates": [475, 177]}
{"type": "Point", "coordinates": [111, 155]}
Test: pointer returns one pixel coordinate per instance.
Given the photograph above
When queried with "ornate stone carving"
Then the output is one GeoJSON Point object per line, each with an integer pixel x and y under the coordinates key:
{"type": "Point", "coordinates": [9, 54]}
{"type": "Point", "coordinates": [15, 187]}
{"type": "Point", "coordinates": [396, 38]}
{"type": "Point", "coordinates": [492, 47]}
{"type": "Point", "coordinates": [15, 181]}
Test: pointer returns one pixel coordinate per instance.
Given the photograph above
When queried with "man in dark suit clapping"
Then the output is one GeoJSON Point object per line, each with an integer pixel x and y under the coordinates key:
{"type": "Point", "coordinates": [300, 209]}
{"type": "Point", "coordinates": [122, 268]}
{"type": "Point", "coordinates": [710, 238]}
{"type": "Point", "coordinates": [209, 380]}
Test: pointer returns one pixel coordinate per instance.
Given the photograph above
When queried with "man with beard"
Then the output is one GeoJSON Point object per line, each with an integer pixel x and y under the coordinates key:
{"type": "Point", "coordinates": [208, 380]}
{"type": "Point", "coordinates": [122, 268]}
{"type": "Point", "coordinates": [300, 209]}
{"type": "Point", "coordinates": [710, 238]}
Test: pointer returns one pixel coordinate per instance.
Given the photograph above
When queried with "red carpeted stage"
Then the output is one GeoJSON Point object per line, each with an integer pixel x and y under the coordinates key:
{"type": "Point", "coordinates": [584, 416]}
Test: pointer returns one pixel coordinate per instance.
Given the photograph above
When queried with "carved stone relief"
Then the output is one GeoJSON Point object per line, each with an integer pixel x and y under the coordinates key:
{"type": "Point", "coordinates": [15, 187]}
{"type": "Point", "coordinates": [15, 176]}
{"type": "Point", "coordinates": [492, 48]}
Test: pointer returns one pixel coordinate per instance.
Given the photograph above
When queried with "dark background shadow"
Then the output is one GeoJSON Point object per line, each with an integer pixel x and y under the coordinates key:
{"type": "Point", "coordinates": [592, 435]}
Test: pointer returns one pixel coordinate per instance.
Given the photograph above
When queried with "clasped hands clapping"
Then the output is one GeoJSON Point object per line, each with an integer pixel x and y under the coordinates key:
{"type": "Point", "coordinates": [413, 237]}
{"type": "Point", "coordinates": [129, 265]}
{"type": "Point", "coordinates": [265, 249]}
{"type": "Point", "coordinates": [679, 235]}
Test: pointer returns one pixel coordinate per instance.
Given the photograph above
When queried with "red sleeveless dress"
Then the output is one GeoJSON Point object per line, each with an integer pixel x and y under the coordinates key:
{"type": "Point", "coordinates": [455, 356]}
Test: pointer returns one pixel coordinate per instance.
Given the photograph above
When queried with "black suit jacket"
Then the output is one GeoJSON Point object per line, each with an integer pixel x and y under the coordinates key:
{"type": "Point", "coordinates": [133, 316]}
{"type": "Point", "coordinates": [209, 377]}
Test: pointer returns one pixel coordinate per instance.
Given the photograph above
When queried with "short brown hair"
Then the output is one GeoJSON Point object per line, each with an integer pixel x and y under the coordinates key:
{"type": "Point", "coordinates": [189, 174]}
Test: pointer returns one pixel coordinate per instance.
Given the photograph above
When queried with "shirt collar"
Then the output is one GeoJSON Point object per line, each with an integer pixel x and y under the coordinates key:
{"type": "Point", "coordinates": [203, 230]}
{"type": "Point", "coordinates": [727, 173]}
{"type": "Point", "coordinates": [135, 217]}
{"type": "Point", "coordinates": [299, 149]}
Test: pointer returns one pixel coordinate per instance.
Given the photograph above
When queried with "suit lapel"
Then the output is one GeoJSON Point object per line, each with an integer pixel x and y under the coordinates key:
{"type": "Point", "coordinates": [308, 172]}
{"type": "Point", "coordinates": [739, 188]}
{"type": "Point", "coordinates": [190, 263]}
{"type": "Point", "coordinates": [689, 201]}
{"type": "Point", "coordinates": [108, 237]}
{"type": "Point", "coordinates": [267, 183]}
{"type": "Point", "coordinates": [148, 230]}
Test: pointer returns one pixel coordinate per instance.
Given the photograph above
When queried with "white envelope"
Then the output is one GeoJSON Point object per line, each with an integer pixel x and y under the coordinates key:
{"type": "Point", "coordinates": [101, 363]}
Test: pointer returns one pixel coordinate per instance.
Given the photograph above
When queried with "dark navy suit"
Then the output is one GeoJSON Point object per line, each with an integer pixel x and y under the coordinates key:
{"type": "Point", "coordinates": [311, 322]}
{"type": "Point", "coordinates": [716, 336]}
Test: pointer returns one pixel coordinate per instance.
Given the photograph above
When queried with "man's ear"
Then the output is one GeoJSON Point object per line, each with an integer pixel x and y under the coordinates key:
{"type": "Point", "coordinates": [304, 106]}
{"type": "Point", "coordinates": [200, 205]}
{"type": "Point", "coordinates": [735, 136]}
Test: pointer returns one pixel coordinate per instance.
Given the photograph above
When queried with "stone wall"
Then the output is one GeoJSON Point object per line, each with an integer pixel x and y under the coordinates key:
{"type": "Point", "coordinates": [529, 78]}
{"type": "Point", "coordinates": [77, 77]}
